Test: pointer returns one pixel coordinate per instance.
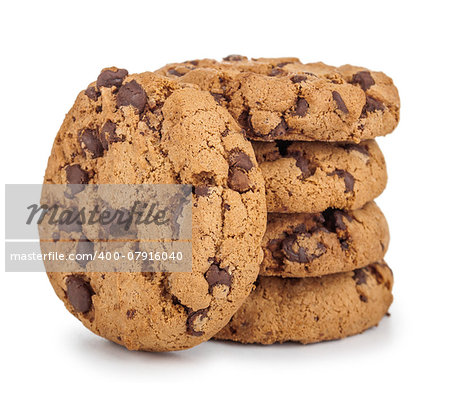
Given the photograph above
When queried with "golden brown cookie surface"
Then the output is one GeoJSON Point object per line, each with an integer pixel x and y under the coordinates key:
{"type": "Point", "coordinates": [285, 99]}
{"type": "Point", "coordinates": [314, 176]}
{"type": "Point", "coordinates": [301, 245]}
{"type": "Point", "coordinates": [310, 310]}
{"type": "Point", "coordinates": [144, 128]}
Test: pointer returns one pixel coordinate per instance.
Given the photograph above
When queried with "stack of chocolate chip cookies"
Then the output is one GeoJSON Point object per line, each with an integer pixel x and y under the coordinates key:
{"type": "Point", "coordinates": [312, 128]}
{"type": "Point", "coordinates": [287, 243]}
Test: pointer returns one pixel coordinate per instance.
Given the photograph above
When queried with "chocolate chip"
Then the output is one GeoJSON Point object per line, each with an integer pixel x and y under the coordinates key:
{"type": "Point", "coordinates": [109, 127]}
{"type": "Point", "coordinates": [108, 134]}
{"type": "Point", "coordinates": [131, 313]}
{"type": "Point", "coordinates": [79, 293]}
{"type": "Point", "coordinates": [92, 93]}
{"type": "Point", "coordinates": [334, 222]}
{"type": "Point", "coordinates": [70, 220]}
{"type": "Point", "coordinates": [302, 107]}
{"type": "Point", "coordinates": [360, 276]}
{"type": "Point", "coordinates": [89, 141]}
{"type": "Point", "coordinates": [349, 180]}
{"type": "Point", "coordinates": [75, 175]}
{"type": "Point", "coordinates": [244, 120]}
{"type": "Point", "coordinates": [373, 269]}
{"type": "Point", "coordinates": [77, 178]}
{"type": "Point", "coordinates": [372, 105]}
{"type": "Point", "coordinates": [190, 322]}
{"type": "Point", "coordinates": [281, 129]}
{"type": "Point", "coordinates": [363, 79]}
{"type": "Point", "coordinates": [275, 248]}
{"type": "Point", "coordinates": [174, 72]}
{"type": "Point", "coordinates": [241, 160]}
{"type": "Point", "coordinates": [110, 78]}
{"type": "Point", "coordinates": [118, 228]}
{"type": "Point", "coordinates": [276, 71]}
{"type": "Point", "coordinates": [300, 255]}
{"type": "Point", "coordinates": [339, 102]}
{"type": "Point", "coordinates": [202, 190]}
{"type": "Point", "coordinates": [298, 78]}
{"type": "Point", "coordinates": [238, 180]}
{"type": "Point", "coordinates": [70, 227]}
{"type": "Point", "coordinates": [334, 219]}
{"type": "Point", "coordinates": [218, 97]}
{"type": "Point", "coordinates": [361, 148]}
{"type": "Point", "coordinates": [306, 166]}
{"type": "Point", "coordinates": [132, 94]}
{"type": "Point", "coordinates": [363, 298]}
{"type": "Point", "coordinates": [217, 276]}
{"type": "Point", "coordinates": [85, 248]}
{"type": "Point", "coordinates": [234, 58]}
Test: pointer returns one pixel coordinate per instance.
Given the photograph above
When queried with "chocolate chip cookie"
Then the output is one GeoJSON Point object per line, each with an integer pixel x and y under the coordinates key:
{"type": "Point", "coordinates": [310, 310]}
{"type": "Point", "coordinates": [314, 244]}
{"type": "Point", "coordinates": [314, 176]}
{"type": "Point", "coordinates": [285, 99]}
{"type": "Point", "coordinates": [145, 128]}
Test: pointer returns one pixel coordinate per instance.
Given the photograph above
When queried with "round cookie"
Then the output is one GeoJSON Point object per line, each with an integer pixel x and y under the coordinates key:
{"type": "Point", "coordinates": [311, 310]}
{"type": "Point", "coordinates": [314, 176]}
{"type": "Point", "coordinates": [314, 244]}
{"type": "Point", "coordinates": [286, 100]}
{"type": "Point", "coordinates": [144, 128]}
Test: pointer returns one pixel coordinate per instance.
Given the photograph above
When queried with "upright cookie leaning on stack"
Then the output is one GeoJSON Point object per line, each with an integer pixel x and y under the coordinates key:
{"type": "Point", "coordinates": [322, 169]}
{"type": "Point", "coordinates": [145, 128]}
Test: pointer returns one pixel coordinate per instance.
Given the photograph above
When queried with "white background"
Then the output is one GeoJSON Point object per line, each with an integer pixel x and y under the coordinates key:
{"type": "Point", "coordinates": [52, 50]}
